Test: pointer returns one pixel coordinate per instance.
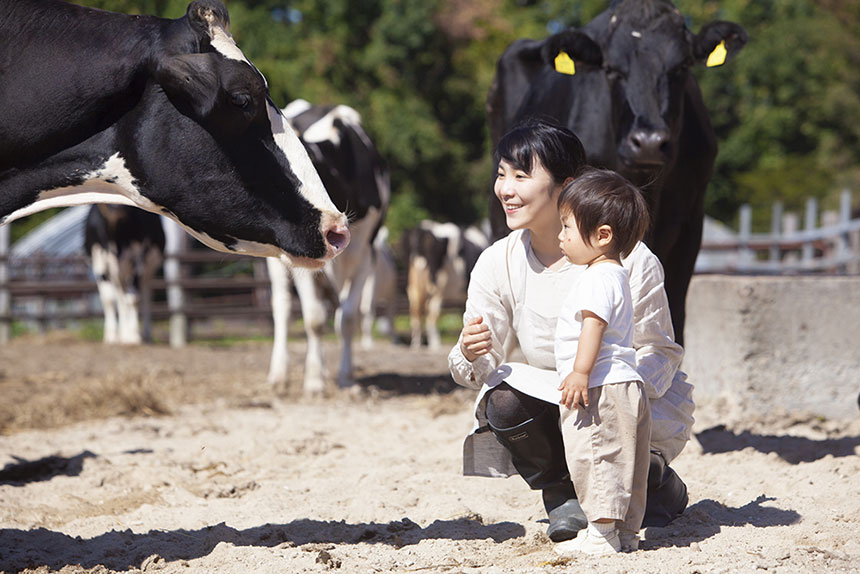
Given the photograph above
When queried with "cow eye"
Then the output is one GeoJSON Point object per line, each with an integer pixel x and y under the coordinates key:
{"type": "Point", "coordinates": [240, 99]}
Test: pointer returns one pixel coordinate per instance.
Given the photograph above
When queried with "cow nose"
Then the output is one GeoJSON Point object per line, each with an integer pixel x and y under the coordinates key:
{"type": "Point", "coordinates": [337, 235]}
{"type": "Point", "coordinates": [649, 146]}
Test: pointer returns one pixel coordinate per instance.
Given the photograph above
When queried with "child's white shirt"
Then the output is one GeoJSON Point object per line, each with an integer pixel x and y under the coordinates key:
{"type": "Point", "coordinates": [603, 289]}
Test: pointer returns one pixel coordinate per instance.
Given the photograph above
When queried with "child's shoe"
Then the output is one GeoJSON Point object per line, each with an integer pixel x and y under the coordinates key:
{"type": "Point", "coordinates": [590, 543]}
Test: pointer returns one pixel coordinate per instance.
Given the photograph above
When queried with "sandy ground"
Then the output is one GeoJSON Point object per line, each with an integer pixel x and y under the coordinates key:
{"type": "Point", "coordinates": [145, 459]}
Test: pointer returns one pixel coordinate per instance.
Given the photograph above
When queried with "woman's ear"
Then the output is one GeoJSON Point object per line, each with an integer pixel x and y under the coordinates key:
{"type": "Point", "coordinates": [604, 236]}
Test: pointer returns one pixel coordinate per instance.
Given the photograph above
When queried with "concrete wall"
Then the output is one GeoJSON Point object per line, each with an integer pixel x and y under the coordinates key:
{"type": "Point", "coordinates": [776, 342]}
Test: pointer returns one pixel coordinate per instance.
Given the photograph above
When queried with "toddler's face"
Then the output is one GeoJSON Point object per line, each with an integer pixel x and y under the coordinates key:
{"type": "Point", "coordinates": [575, 248]}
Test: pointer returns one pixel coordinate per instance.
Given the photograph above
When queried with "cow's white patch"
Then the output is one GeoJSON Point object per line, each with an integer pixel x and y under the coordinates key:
{"type": "Point", "coordinates": [295, 108]}
{"type": "Point", "coordinates": [224, 44]}
{"type": "Point", "coordinates": [324, 130]}
{"type": "Point", "coordinates": [312, 187]}
{"type": "Point", "coordinates": [114, 183]}
{"type": "Point", "coordinates": [111, 183]}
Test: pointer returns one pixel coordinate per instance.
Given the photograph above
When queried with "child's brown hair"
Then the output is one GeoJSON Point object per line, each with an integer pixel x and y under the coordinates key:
{"type": "Point", "coordinates": [603, 197]}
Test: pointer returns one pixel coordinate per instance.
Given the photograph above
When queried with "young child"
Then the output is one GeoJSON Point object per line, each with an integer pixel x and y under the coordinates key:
{"type": "Point", "coordinates": [605, 419]}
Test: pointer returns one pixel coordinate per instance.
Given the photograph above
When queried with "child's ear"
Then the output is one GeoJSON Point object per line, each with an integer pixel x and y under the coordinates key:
{"type": "Point", "coordinates": [604, 236]}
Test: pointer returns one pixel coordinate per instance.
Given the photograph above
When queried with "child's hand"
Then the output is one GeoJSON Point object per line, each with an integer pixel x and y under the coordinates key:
{"type": "Point", "coordinates": [574, 390]}
{"type": "Point", "coordinates": [475, 339]}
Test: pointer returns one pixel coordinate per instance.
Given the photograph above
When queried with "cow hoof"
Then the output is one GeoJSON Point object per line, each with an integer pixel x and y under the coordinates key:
{"type": "Point", "coordinates": [347, 383]}
{"type": "Point", "coordinates": [314, 387]}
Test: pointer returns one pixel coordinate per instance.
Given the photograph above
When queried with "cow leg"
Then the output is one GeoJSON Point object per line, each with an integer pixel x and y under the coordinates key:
{"type": "Point", "coordinates": [314, 315]}
{"type": "Point", "coordinates": [367, 310]}
{"type": "Point", "coordinates": [347, 319]}
{"type": "Point", "coordinates": [151, 262]}
{"type": "Point", "coordinates": [678, 251]}
{"type": "Point", "coordinates": [416, 291]}
{"type": "Point", "coordinates": [434, 310]}
{"type": "Point", "coordinates": [129, 322]}
{"type": "Point", "coordinates": [107, 293]}
{"type": "Point", "coordinates": [281, 303]}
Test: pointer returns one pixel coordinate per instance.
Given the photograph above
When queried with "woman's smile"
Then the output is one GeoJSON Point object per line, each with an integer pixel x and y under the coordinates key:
{"type": "Point", "coordinates": [527, 198]}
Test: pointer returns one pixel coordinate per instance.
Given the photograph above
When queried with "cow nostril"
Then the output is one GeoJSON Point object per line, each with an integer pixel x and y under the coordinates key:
{"type": "Point", "coordinates": [649, 146]}
{"type": "Point", "coordinates": [338, 238]}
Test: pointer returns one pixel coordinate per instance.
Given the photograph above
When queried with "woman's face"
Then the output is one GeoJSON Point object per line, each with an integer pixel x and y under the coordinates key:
{"type": "Point", "coordinates": [529, 199]}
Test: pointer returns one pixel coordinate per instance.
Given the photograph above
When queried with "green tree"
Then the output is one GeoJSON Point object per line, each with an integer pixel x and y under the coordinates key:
{"type": "Point", "coordinates": [787, 110]}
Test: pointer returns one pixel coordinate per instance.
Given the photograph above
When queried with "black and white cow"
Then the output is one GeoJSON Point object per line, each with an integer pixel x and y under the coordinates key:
{"type": "Point", "coordinates": [126, 248]}
{"type": "Point", "coordinates": [439, 258]}
{"type": "Point", "coordinates": [623, 84]}
{"type": "Point", "coordinates": [357, 181]}
{"type": "Point", "coordinates": [166, 115]}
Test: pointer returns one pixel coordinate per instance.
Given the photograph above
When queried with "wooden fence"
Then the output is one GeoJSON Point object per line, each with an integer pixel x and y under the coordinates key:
{"type": "Point", "coordinates": [831, 245]}
{"type": "Point", "coordinates": [198, 285]}
{"type": "Point", "coordinates": [201, 284]}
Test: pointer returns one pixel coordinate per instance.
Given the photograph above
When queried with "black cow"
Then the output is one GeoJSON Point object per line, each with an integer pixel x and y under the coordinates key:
{"type": "Point", "coordinates": [637, 108]}
{"type": "Point", "coordinates": [357, 180]}
{"type": "Point", "coordinates": [165, 115]}
{"type": "Point", "coordinates": [126, 248]}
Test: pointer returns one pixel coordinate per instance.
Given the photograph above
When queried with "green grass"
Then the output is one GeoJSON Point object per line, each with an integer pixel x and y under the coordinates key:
{"type": "Point", "coordinates": [92, 330]}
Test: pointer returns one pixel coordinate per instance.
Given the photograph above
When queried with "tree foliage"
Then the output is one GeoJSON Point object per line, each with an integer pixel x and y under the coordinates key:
{"type": "Point", "coordinates": [787, 110]}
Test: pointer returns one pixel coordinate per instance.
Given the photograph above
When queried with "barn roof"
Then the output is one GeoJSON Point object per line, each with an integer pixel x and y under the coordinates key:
{"type": "Point", "coordinates": [61, 235]}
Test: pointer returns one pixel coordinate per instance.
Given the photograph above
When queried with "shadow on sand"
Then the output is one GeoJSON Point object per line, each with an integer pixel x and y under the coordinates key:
{"type": "Point", "coordinates": [24, 471]}
{"type": "Point", "coordinates": [706, 518]}
{"type": "Point", "coordinates": [792, 449]}
{"type": "Point", "coordinates": [126, 550]}
{"type": "Point", "coordinates": [400, 384]}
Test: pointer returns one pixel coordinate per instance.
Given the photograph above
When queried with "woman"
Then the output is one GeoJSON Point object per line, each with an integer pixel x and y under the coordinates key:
{"type": "Point", "coordinates": [515, 294]}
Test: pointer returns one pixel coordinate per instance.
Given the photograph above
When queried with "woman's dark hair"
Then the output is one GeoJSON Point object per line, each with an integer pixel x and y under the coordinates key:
{"type": "Point", "coordinates": [602, 197]}
{"type": "Point", "coordinates": [557, 148]}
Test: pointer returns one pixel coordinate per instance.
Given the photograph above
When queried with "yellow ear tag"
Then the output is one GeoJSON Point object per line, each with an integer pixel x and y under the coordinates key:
{"type": "Point", "coordinates": [718, 56]}
{"type": "Point", "coordinates": [564, 64]}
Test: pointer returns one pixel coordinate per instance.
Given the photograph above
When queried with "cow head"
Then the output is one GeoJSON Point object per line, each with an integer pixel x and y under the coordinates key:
{"type": "Point", "coordinates": [262, 195]}
{"type": "Point", "coordinates": [644, 52]}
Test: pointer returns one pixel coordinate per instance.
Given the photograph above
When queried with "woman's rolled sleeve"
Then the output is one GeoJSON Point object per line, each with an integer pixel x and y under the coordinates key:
{"type": "Point", "coordinates": [483, 300]}
{"type": "Point", "coordinates": [658, 356]}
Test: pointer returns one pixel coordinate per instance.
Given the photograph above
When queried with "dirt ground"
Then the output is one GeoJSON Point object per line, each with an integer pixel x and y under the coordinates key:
{"type": "Point", "coordinates": [156, 459]}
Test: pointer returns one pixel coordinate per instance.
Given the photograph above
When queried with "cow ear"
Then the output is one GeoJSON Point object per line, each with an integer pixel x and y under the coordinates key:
{"type": "Point", "coordinates": [206, 15]}
{"type": "Point", "coordinates": [717, 40]}
{"type": "Point", "coordinates": [190, 82]}
{"type": "Point", "coordinates": [564, 50]}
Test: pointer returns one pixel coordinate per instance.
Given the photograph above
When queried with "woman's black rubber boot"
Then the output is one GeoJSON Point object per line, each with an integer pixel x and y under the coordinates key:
{"type": "Point", "coordinates": [667, 494]}
{"type": "Point", "coordinates": [537, 452]}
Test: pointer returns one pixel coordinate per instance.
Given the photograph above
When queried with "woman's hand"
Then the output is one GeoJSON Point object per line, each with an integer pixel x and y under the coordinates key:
{"type": "Point", "coordinates": [475, 340]}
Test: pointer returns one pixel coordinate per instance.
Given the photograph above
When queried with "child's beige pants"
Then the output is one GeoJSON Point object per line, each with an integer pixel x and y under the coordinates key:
{"type": "Point", "coordinates": [607, 451]}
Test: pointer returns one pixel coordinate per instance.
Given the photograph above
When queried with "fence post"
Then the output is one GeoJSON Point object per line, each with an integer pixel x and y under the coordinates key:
{"type": "Point", "coordinates": [745, 254]}
{"type": "Point", "coordinates": [809, 222]}
{"type": "Point", "coordinates": [843, 239]}
{"type": "Point", "coordinates": [775, 233]}
{"type": "Point", "coordinates": [5, 297]}
{"type": "Point", "coordinates": [175, 241]}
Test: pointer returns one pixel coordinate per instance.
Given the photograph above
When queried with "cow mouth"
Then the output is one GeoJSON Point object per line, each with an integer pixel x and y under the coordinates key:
{"type": "Point", "coordinates": [641, 166]}
{"type": "Point", "coordinates": [305, 262]}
